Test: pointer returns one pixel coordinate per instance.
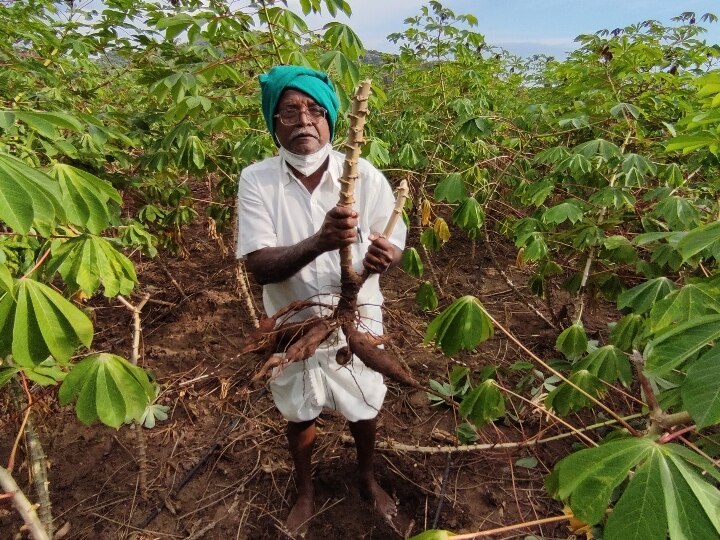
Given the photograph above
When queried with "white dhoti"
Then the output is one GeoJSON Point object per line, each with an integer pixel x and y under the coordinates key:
{"type": "Point", "coordinates": [301, 390]}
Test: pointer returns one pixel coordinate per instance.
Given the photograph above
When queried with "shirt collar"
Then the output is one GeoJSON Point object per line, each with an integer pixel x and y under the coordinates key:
{"type": "Point", "coordinates": [334, 170]}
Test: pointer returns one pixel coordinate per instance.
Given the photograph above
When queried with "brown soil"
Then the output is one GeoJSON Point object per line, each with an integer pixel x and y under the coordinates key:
{"type": "Point", "coordinates": [189, 342]}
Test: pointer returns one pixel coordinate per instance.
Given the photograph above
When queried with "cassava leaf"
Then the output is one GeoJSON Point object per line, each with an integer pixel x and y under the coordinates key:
{"type": "Point", "coordinates": [483, 404]}
{"type": "Point", "coordinates": [566, 398]}
{"type": "Point", "coordinates": [672, 348]}
{"type": "Point", "coordinates": [426, 297]}
{"type": "Point", "coordinates": [451, 189]}
{"type": "Point", "coordinates": [469, 216]}
{"type": "Point", "coordinates": [642, 298]}
{"type": "Point", "coordinates": [639, 513]}
{"type": "Point", "coordinates": [664, 495]}
{"type": "Point", "coordinates": [461, 326]}
{"type": "Point", "coordinates": [46, 324]}
{"type": "Point", "coordinates": [699, 239]}
{"type": "Point", "coordinates": [690, 302]}
{"type": "Point", "coordinates": [86, 262]}
{"type": "Point", "coordinates": [108, 388]}
{"type": "Point", "coordinates": [609, 364]}
{"type": "Point", "coordinates": [562, 212]}
{"type": "Point", "coordinates": [627, 331]}
{"type": "Point", "coordinates": [85, 197]}
{"type": "Point", "coordinates": [701, 389]}
{"type": "Point", "coordinates": [27, 198]}
{"type": "Point", "coordinates": [411, 262]}
{"type": "Point", "coordinates": [572, 341]}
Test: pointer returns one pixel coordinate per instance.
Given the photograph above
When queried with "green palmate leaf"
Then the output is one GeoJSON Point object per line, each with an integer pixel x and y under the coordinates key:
{"type": "Point", "coordinates": [27, 198]}
{"type": "Point", "coordinates": [6, 374]}
{"type": "Point", "coordinates": [680, 343]}
{"type": "Point", "coordinates": [572, 342]}
{"type": "Point", "coordinates": [461, 326]}
{"type": "Point", "coordinates": [47, 373]}
{"type": "Point", "coordinates": [642, 298]}
{"type": "Point", "coordinates": [86, 262]}
{"type": "Point", "coordinates": [6, 281]}
{"type": "Point", "coordinates": [412, 263]}
{"type": "Point", "coordinates": [614, 197]}
{"type": "Point", "coordinates": [48, 123]}
{"type": "Point", "coordinates": [688, 303]}
{"type": "Point", "coordinates": [639, 514]}
{"type": "Point", "coordinates": [690, 143]}
{"type": "Point", "coordinates": [408, 157]}
{"type": "Point", "coordinates": [691, 503]}
{"type": "Point", "coordinates": [578, 165]}
{"type": "Point", "coordinates": [678, 212]}
{"type": "Point", "coordinates": [586, 479]}
{"type": "Point", "coordinates": [666, 494]}
{"type": "Point", "coordinates": [341, 37]}
{"type": "Point", "coordinates": [566, 398]}
{"type": "Point", "coordinates": [566, 211]}
{"type": "Point", "coordinates": [552, 156]}
{"type": "Point", "coordinates": [699, 239]}
{"type": "Point", "coordinates": [44, 324]}
{"type": "Point", "coordinates": [377, 152]}
{"type": "Point", "coordinates": [622, 109]}
{"type": "Point", "coordinates": [537, 192]}
{"type": "Point", "coordinates": [469, 216]}
{"type": "Point", "coordinates": [345, 68]}
{"type": "Point", "coordinates": [85, 197]}
{"type": "Point", "coordinates": [600, 148]}
{"type": "Point", "coordinates": [107, 388]}
{"type": "Point", "coordinates": [701, 389]}
{"type": "Point", "coordinates": [451, 189]}
{"type": "Point", "coordinates": [426, 297]}
{"type": "Point", "coordinates": [483, 404]}
{"type": "Point", "coordinates": [608, 363]}
{"type": "Point", "coordinates": [587, 235]}
{"type": "Point", "coordinates": [430, 240]}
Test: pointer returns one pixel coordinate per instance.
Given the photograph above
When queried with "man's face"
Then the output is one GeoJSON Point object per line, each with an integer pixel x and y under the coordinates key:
{"type": "Point", "coordinates": [307, 135]}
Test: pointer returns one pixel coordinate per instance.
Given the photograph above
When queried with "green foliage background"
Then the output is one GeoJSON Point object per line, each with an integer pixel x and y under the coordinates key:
{"type": "Point", "coordinates": [602, 169]}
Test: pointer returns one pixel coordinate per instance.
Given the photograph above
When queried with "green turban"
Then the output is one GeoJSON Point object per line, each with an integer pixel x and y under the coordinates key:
{"type": "Point", "coordinates": [315, 84]}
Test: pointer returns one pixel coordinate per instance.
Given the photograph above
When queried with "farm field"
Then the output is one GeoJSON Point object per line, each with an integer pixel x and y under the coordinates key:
{"type": "Point", "coordinates": [558, 298]}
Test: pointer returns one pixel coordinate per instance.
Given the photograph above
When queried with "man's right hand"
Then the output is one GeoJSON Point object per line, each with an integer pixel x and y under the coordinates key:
{"type": "Point", "coordinates": [338, 230]}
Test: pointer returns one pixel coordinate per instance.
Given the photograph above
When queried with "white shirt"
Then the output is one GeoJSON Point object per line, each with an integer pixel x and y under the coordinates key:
{"type": "Point", "coordinates": [276, 209]}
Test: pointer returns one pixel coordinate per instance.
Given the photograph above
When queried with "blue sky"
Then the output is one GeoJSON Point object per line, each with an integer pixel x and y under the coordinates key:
{"type": "Point", "coordinates": [523, 27]}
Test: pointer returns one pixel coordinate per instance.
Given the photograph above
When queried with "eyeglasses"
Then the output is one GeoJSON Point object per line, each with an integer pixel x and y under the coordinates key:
{"type": "Point", "coordinates": [290, 117]}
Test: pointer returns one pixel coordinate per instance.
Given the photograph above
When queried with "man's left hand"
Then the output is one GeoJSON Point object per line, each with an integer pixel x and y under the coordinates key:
{"type": "Point", "coordinates": [381, 254]}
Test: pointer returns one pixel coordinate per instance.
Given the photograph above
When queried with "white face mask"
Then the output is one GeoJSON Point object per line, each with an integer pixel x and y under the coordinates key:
{"type": "Point", "coordinates": [307, 164]}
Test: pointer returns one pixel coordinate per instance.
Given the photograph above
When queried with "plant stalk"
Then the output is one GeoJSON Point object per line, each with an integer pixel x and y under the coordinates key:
{"type": "Point", "coordinates": [25, 508]}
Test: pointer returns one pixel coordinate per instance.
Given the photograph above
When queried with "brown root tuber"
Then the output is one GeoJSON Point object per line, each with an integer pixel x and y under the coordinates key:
{"type": "Point", "coordinates": [364, 346]}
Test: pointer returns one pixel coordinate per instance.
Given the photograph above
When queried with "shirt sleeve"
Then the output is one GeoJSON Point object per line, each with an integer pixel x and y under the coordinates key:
{"type": "Point", "coordinates": [256, 228]}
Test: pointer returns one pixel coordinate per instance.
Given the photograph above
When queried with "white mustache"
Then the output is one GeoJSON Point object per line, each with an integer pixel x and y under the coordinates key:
{"type": "Point", "coordinates": [300, 132]}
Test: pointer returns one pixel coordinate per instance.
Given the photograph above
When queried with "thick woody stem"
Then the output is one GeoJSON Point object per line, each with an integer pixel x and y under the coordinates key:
{"type": "Point", "coordinates": [21, 503]}
{"type": "Point", "coordinates": [350, 281]}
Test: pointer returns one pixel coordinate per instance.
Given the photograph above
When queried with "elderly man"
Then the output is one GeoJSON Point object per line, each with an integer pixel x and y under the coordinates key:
{"type": "Point", "coordinates": [290, 231]}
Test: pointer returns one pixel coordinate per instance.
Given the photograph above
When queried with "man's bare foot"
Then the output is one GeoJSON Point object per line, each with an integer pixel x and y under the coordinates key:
{"type": "Point", "coordinates": [383, 503]}
{"type": "Point", "coordinates": [299, 518]}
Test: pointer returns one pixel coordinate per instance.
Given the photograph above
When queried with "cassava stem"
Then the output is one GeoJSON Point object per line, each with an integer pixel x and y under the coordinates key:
{"type": "Point", "coordinates": [350, 282]}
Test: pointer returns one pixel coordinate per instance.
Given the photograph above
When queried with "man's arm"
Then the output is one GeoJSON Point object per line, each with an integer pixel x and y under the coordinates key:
{"type": "Point", "coordinates": [275, 264]}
